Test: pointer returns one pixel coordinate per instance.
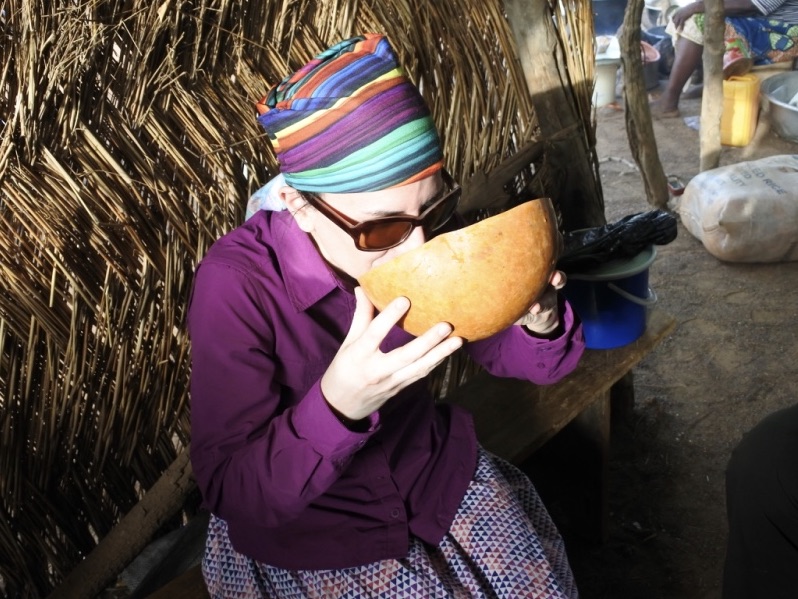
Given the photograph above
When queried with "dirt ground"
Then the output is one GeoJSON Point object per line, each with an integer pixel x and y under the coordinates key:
{"type": "Point", "coordinates": [729, 362]}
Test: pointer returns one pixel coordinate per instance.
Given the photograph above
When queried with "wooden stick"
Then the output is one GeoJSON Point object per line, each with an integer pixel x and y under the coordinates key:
{"type": "Point", "coordinates": [639, 128]}
{"type": "Point", "coordinates": [712, 97]}
{"type": "Point", "coordinates": [130, 536]}
{"type": "Point", "coordinates": [579, 196]}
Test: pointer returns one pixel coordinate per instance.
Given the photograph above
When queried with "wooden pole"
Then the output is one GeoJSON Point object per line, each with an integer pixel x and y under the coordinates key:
{"type": "Point", "coordinates": [578, 190]}
{"type": "Point", "coordinates": [712, 97]}
{"type": "Point", "coordinates": [127, 539]}
{"type": "Point", "coordinates": [639, 128]}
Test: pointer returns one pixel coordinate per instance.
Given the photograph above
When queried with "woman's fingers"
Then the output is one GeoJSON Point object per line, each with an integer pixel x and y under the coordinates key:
{"type": "Point", "coordinates": [543, 317]}
{"type": "Point", "coordinates": [558, 279]}
{"type": "Point", "coordinates": [419, 357]}
{"type": "Point", "coordinates": [361, 377]}
{"type": "Point", "coordinates": [548, 299]}
{"type": "Point", "coordinates": [379, 326]}
{"type": "Point", "coordinates": [364, 314]}
{"type": "Point", "coordinates": [426, 348]}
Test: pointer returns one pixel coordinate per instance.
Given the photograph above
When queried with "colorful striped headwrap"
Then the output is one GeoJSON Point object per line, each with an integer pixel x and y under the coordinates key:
{"type": "Point", "coordinates": [350, 121]}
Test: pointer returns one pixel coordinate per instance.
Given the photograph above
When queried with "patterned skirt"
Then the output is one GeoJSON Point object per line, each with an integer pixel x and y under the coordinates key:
{"type": "Point", "coordinates": [502, 545]}
{"type": "Point", "coordinates": [764, 40]}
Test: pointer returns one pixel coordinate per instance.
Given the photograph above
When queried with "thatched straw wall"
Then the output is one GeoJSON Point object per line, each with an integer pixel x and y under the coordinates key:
{"type": "Point", "coordinates": [128, 145]}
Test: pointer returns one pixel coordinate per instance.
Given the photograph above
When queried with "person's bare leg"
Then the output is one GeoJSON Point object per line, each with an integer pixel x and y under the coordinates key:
{"type": "Point", "coordinates": [687, 57]}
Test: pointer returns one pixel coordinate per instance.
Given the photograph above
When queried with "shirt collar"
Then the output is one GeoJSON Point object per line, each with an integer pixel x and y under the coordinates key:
{"type": "Point", "coordinates": [307, 276]}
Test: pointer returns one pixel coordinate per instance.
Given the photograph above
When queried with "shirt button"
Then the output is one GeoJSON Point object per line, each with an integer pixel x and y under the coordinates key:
{"type": "Point", "coordinates": [394, 513]}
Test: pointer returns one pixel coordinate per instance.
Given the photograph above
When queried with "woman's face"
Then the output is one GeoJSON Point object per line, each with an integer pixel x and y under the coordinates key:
{"type": "Point", "coordinates": [336, 246]}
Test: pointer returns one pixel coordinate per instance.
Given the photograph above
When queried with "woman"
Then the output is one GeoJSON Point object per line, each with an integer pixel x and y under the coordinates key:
{"type": "Point", "coordinates": [327, 466]}
{"type": "Point", "coordinates": [757, 32]}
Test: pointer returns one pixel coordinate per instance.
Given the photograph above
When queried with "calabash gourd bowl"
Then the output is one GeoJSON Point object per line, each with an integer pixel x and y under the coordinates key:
{"type": "Point", "coordinates": [480, 279]}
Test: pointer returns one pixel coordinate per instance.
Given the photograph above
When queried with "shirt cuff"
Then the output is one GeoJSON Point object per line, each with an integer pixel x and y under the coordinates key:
{"type": "Point", "coordinates": [314, 420]}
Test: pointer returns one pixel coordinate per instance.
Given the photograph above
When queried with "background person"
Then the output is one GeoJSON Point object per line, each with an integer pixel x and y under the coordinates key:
{"type": "Point", "coordinates": [327, 466]}
{"type": "Point", "coordinates": [756, 32]}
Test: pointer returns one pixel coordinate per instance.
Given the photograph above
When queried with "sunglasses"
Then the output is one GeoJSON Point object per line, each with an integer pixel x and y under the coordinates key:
{"type": "Point", "coordinates": [386, 232]}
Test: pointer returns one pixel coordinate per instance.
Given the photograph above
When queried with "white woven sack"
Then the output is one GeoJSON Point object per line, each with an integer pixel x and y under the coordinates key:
{"type": "Point", "coordinates": [745, 212]}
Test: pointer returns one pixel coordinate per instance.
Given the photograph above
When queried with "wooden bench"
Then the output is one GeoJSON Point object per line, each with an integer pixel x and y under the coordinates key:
{"type": "Point", "coordinates": [514, 418]}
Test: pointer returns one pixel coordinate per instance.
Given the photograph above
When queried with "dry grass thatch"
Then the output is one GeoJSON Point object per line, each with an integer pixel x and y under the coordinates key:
{"type": "Point", "coordinates": [128, 145]}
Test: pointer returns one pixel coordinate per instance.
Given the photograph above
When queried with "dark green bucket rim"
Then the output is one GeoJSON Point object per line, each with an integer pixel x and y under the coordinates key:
{"type": "Point", "coordinates": [620, 268]}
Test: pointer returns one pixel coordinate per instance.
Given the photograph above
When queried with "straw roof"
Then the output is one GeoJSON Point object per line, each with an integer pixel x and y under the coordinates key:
{"type": "Point", "coordinates": [128, 145]}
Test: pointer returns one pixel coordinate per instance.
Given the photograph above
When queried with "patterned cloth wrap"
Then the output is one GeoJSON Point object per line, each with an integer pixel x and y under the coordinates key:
{"type": "Point", "coordinates": [350, 121]}
{"type": "Point", "coordinates": [502, 544]}
{"type": "Point", "coordinates": [764, 40]}
{"type": "Point", "coordinates": [267, 197]}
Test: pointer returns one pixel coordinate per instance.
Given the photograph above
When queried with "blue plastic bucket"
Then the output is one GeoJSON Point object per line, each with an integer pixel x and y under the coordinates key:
{"type": "Point", "coordinates": [612, 300]}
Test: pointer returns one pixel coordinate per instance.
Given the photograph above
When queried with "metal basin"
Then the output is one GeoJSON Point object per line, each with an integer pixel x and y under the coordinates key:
{"type": "Point", "coordinates": [777, 92]}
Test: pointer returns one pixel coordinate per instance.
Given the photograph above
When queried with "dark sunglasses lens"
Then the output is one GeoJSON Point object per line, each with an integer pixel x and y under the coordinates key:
{"type": "Point", "coordinates": [384, 235]}
{"type": "Point", "coordinates": [441, 214]}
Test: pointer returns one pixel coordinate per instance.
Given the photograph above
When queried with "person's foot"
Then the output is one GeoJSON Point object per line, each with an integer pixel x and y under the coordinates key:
{"type": "Point", "coordinates": [662, 110]}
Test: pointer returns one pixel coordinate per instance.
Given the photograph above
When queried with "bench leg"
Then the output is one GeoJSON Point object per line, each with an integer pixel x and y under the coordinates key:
{"type": "Point", "coordinates": [622, 396]}
{"type": "Point", "coordinates": [593, 425]}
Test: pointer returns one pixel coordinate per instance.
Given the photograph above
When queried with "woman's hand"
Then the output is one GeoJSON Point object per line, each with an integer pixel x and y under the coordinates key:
{"type": "Point", "coordinates": [680, 17]}
{"type": "Point", "coordinates": [543, 316]}
{"type": "Point", "coordinates": [361, 378]}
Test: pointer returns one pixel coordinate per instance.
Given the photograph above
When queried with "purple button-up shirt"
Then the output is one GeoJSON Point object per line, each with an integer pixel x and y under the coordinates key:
{"type": "Point", "coordinates": [298, 489]}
